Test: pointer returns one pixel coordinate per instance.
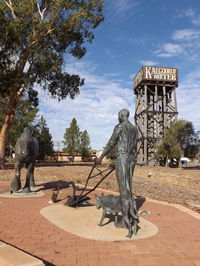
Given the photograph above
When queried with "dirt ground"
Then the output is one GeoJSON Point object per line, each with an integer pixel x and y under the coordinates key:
{"type": "Point", "coordinates": [174, 185]}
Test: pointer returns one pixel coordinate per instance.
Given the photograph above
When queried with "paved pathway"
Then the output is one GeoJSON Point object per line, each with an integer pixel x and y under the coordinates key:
{"type": "Point", "coordinates": [177, 243]}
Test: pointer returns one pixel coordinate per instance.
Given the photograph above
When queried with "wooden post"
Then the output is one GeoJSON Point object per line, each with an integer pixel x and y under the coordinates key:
{"type": "Point", "coordinates": [164, 106]}
{"type": "Point", "coordinates": [145, 126]}
{"type": "Point", "coordinates": [175, 103]}
{"type": "Point", "coordinates": [156, 109]}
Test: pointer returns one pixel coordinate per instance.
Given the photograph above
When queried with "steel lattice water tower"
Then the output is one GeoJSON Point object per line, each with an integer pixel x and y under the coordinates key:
{"type": "Point", "coordinates": [156, 106]}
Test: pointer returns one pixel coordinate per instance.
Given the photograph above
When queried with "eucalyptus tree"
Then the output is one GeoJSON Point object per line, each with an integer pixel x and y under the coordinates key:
{"type": "Point", "coordinates": [180, 140]}
{"type": "Point", "coordinates": [34, 37]}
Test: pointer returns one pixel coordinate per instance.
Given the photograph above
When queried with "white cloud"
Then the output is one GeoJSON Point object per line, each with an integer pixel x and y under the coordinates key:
{"type": "Point", "coordinates": [186, 43]}
{"type": "Point", "coordinates": [169, 50]}
{"type": "Point", "coordinates": [100, 100]}
{"type": "Point", "coordinates": [122, 6]}
{"type": "Point", "coordinates": [188, 98]}
{"type": "Point", "coordinates": [95, 108]}
{"type": "Point", "coordinates": [172, 48]}
{"type": "Point", "coordinates": [186, 35]}
{"type": "Point", "coordinates": [148, 62]}
{"type": "Point", "coordinates": [193, 15]}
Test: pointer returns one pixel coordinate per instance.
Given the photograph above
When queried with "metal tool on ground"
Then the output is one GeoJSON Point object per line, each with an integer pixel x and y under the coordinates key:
{"type": "Point", "coordinates": [77, 200]}
{"type": "Point", "coordinates": [54, 195]}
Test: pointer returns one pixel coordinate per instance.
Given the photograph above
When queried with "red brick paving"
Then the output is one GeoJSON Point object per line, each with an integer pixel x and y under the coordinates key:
{"type": "Point", "coordinates": [177, 243]}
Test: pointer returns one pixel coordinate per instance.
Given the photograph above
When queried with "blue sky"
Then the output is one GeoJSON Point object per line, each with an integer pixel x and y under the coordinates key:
{"type": "Point", "coordinates": [134, 33]}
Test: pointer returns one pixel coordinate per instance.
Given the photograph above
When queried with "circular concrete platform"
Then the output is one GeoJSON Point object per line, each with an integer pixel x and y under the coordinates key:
{"type": "Point", "coordinates": [35, 192]}
{"type": "Point", "coordinates": [83, 223]}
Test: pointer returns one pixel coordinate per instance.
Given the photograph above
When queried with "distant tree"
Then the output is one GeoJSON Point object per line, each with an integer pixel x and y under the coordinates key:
{"type": "Point", "coordinates": [189, 140]}
{"type": "Point", "coordinates": [34, 37]}
{"type": "Point", "coordinates": [180, 140]}
{"type": "Point", "coordinates": [44, 137]}
{"type": "Point", "coordinates": [76, 141]}
{"type": "Point", "coordinates": [85, 144]}
{"type": "Point", "coordinates": [198, 155]}
{"type": "Point", "coordinates": [72, 137]}
{"type": "Point", "coordinates": [191, 151]}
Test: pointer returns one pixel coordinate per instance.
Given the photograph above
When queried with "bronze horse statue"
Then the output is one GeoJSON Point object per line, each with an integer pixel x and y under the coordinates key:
{"type": "Point", "coordinates": [26, 150]}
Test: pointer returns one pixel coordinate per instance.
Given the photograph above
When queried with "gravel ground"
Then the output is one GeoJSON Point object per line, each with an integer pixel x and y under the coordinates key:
{"type": "Point", "coordinates": [174, 185]}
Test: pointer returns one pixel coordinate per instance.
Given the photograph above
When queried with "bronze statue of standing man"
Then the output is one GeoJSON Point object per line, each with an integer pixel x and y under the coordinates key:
{"type": "Point", "coordinates": [125, 137]}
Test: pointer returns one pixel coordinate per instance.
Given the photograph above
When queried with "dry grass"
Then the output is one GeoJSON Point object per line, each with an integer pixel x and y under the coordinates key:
{"type": "Point", "coordinates": [162, 183]}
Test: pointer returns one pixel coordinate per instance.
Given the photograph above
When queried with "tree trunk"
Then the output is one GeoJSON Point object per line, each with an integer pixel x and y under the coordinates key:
{"type": "Point", "coordinates": [3, 135]}
{"type": "Point", "coordinates": [10, 112]}
{"type": "Point", "coordinates": [166, 162]}
{"type": "Point", "coordinates": [2, 149]}
{"type": "Point", "coordinates": [15, 94]}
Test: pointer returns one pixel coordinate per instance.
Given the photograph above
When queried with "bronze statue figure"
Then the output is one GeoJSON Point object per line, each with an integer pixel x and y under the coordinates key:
{"type": "Point", "coordinates": [26, 150]}
{"type": "Point", "coordinates": [125, 137]}
{"type": "Point", "coordinates": [113, 205]}
{"type": "Point", "coordinates": [109, 204]}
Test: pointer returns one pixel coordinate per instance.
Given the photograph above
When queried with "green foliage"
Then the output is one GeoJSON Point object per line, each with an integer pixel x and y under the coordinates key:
{"type": "Point", "coordinates": [191, 151]}
{"type": "Point", "coordinates": [72, 137]}
{"type": "Point", "coordinates": [180, 139]}
{"type": "Point", "coordinates": [189, 140]}
{"type": "Point", "coordinates": [34, 37]}
{"type": "Point", "coordinates": [25, 115]}
{"type": "Point", "coordinates": [85, 144]}
{"type": "Point", "coordinates": [76, 140]}
{"type": "Point", "coordinates": [198, 155]}
{"type": "Point", "coordinates": [170, 147]}
{"type": "Point", "coordinates": [41, 132]}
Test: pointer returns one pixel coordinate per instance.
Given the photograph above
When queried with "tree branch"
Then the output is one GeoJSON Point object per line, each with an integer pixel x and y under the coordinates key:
{"type": "Point", "coordinates": [41, 12]}
{"type": "Point", "coordinates": [11, 8]}
{"type": "Point", "coordinates": [20, 91]}
{"type": "Point", "coordinates": [44, 35]}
